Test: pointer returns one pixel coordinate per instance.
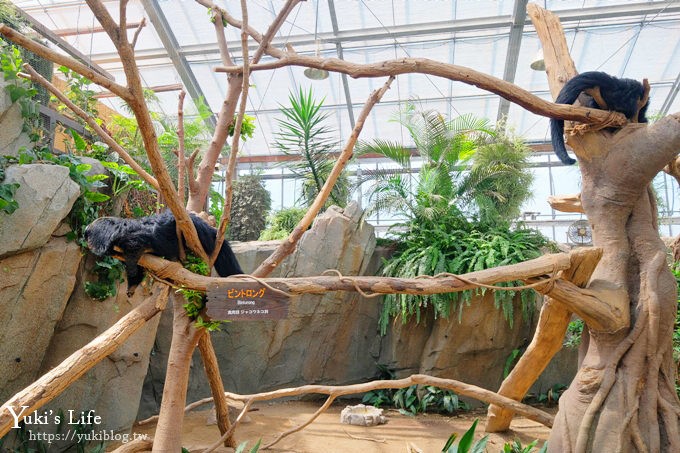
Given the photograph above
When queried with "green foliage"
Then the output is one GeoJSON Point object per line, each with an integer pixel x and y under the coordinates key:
{"type": "Point", "coordinates": [458, 207]}
{"type": "Point", "coordinates": [441, 187]}
{"type": "Point", "coordinates": [124, 178]}
{"type": "Point", "coordinates": [574, 332]}
{"type": "Point", "coordinates": [10, 17]}
{"type": "Point", "coordinates": [250, 205]}
{"type": "Point", "coordinates": [501, 179]}
{"type": "Point", "coordinates": [196, 299]}
{"type": "Point", "coordinates": [109, 272]}
{"type": "Point", "coordinates": [466, 444]}
{"type": "Point", "coordinates": [676, 328]}
{"type": "Point", "coordinates": [302, 134]}
{"type": "Point", "coordinates": [414, 399]}
{"type": "Point", "coordinates": [549, 398]}
{"type": "Point", "coordinates": [216, 204]}
{"type": "Point", "coordinates": [516, 447]}
{"type": "Point", "coordinates": [511, 361]}
{"type": "Point", "coordinates": [281, 223]}
{"type": "Point", "coordinates": [197, 135]}
{"type": "Point", "coordinates": [78, 91]}
{"type": "Point", "coordinates": [19, 89]}
{"type": "Point", "coordinates": [242, 447]}
{"type": "Point", "coordinates": [435, 248]}
{"type": "Point", "coordinates": [247, 127]}
{"type": "Point", "coordinates": [7, 202]}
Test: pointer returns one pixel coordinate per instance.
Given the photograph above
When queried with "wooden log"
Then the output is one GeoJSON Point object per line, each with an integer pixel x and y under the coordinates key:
{"type": "Point", "coordinates": [542, 266]}
{"type": "Point", "coordinates": [56, 380]}
{"type": "Point", "coordinates": [457, 73]}
{"type": "Point", "coordinates": [566, 203]}
{"type": "Point", "coordinates": [461, 388]}
{"type": "Point", "coordinates": [212, 371]}
{"type": "Point", "coordinates": [547, 341]}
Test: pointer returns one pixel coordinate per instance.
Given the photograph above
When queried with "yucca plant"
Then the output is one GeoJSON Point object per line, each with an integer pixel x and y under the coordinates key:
{"type": "Point", "coordinates": [304, 135]}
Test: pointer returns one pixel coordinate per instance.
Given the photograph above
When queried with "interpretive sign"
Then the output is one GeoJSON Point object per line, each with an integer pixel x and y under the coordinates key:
{"type": "Point", "coordinates": [245, 301]}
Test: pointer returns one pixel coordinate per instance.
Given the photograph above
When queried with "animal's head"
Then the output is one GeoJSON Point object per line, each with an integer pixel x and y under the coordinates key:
{"type": "Point", "coordinates": [101, 235]}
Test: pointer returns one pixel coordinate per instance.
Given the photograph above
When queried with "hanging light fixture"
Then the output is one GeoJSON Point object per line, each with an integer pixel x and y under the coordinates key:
{"type": "Point", "coordinates": [538, 63]}
{"type": "Point", "coordinates": [314, 73]}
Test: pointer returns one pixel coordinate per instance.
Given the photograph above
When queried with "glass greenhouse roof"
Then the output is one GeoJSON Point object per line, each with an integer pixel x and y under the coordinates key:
{"type": "Point", "coordinates": [636, 39]}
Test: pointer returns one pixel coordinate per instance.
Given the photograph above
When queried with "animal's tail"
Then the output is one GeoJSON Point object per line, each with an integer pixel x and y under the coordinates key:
{"type": "Point", "coordinates": [226, 263]}
{"type": "Point", "coordinates": [557, 139]}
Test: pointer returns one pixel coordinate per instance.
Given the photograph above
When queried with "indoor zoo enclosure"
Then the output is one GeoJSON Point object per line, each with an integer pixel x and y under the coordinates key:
{"type": "Point", "coordinates": [624, 393]}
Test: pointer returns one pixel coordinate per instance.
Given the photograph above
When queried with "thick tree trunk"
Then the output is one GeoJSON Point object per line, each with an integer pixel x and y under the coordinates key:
{"type": "Point", "coordinates": [623, 397]}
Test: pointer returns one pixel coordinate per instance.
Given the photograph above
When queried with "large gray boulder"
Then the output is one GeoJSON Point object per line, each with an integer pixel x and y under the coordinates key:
{"type": "Point", "coordinates": [45, 195]}
{"type": "Point", "coordinates": [34, 289]}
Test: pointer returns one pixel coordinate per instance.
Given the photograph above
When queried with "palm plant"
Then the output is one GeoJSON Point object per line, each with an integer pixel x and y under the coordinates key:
{"type": "Point", "coordinates": [442, 187]}
{"type": "Point", "coordinates": [304, 136]}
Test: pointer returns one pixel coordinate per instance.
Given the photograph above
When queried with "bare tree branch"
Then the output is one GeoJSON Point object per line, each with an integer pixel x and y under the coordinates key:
{"type": "Point", "coordinates": [145, 124]}
{"type": "Point", "coordinates": [220, 37]}
{"type": "Point", "coordinates": [273, 28]}
{"type": "Point", "coordinates": [231, 165]}
{"type": "Point", "coordinates": [139, 29]}
{"type": "Point", "coordinates": [34, 76]}
{"type": "Point", "coordinates": [545, 265]}
{"type": "Point", "coordinates": [226, 114]}
{"type": "Point", "coordinates": [463, 74]}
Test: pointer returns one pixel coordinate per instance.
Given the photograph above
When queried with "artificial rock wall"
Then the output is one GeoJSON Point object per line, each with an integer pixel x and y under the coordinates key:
{"type": "Point", "coordinates": [44, 312]}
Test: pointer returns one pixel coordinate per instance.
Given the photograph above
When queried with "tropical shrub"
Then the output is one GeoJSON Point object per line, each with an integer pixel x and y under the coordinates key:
{"type": "Point", "coordinates": [281, 223]}
{"type": "Point", "coordinates": [458, 207]}
{"type": "Point", "coordinates": [250, 205]}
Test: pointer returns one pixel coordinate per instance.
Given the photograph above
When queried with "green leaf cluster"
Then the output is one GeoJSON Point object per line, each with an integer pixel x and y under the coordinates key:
{"type": "Point", "coordinates": [281, 223]}
{"type": "Point", "coordinates": [435, 249]}
{"type": "Point", "coordinates": [109, 272]}
{"type": "Point", "coordinates": [458, 207]}
{"type": "Point", "coordinates": [516, 447]}
{"type": "Point", "coordinates": [196, 299]}
{"type": "Point", "coordinates": [304, 135]}
{"type": "Point", "coordinates": [19, 89]}
{"type": "Point", "coordinates": [466, 444]}
{"type": "Point", "coordinates": [414, 399]}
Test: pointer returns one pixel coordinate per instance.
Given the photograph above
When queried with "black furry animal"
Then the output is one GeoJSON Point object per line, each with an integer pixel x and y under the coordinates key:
{"type": "Point", "coordinates": [620, 95]}
{"type": "Point", "coordinates": [154, 234]}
